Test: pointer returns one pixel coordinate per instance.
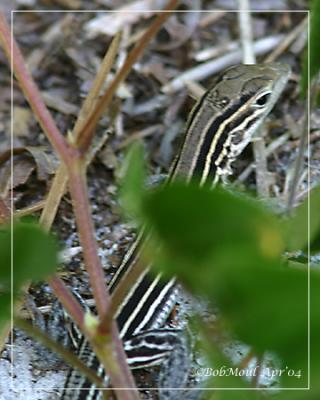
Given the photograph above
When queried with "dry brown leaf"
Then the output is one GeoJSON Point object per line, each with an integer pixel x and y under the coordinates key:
{"type": "Point", "coordinates": [57, 103]}
{"type": "Point", "coordinates": [46, 163]}
{"type": "Point", "coordinates": [69, 4]}
{"type": "Point", "coordinates": [22, 169]}
{"type": "Point", "coordinates": [5, 213]}
{"type": "Point", "coordinates": [108, 158]}
{"type": "Point", "coordinates": [25, 161]}
{"type": "Point", "coordinates": [113, 22]}
{"type": "Point", "coordinates": [21, 121]}
{"type": "Point", "coordinates": [181, 31]}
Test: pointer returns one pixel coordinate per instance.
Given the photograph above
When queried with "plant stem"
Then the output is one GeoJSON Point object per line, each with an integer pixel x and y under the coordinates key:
{"type": "Point", "coordinates": [78, 190]}
{"type": "Point", "coordinates": [69, 302]}
{"type": "Point", "coordinates": [110, 352]}
{"type": "Point", "coordinates": [57, 348]}
{"type": "Point", "coordinates": [114, 360]}
{"type": "Point", "coordinates": [32, 92]}
{"type": "Point", "coordinates": [87, 131]}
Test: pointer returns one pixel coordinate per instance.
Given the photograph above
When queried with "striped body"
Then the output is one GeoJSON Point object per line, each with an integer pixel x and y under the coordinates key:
{"type": "Point", "coordinates": [219, 127]}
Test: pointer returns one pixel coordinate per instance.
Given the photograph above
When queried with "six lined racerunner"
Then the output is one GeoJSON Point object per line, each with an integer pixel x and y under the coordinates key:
{"type": "Point", "coordinates": [219, 127]}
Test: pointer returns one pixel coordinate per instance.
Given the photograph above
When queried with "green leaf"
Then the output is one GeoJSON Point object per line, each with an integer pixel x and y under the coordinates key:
{"type": "Point", "coordinates": [196, 222]}
{"type": "Point", "coordinates": [228, 249]}
{"type": "Point", "coordinates": [314, 47]}
{"type": "Point", "coordinates": [268, 309]}
{"type": "Point", "coordinates": [5, 308]}
{"type": "Point", "coordinates": [34, 254]}
{"type": "Point", "coordinates": [34, 258]}
{"type": "Point", "coordinates": [295, 228]}
{"type": "Point", "coordinates": [5, 257]}
{"type": "Point", "coordinates": [132, 183]}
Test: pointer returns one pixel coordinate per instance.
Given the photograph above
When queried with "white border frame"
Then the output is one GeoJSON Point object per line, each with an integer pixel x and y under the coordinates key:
{"type": "Point", "coordinates": [308, 179]}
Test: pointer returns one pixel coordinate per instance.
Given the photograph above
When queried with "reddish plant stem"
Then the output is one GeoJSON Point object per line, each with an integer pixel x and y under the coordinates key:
{"type": "Point", "coordinates": [115, 357]}
{"type": "Point", "coordinates": [68, 153]}
{"type": "Point", "coordinates": [114, 360]}
{"type": "Point", "coordinates": [48, 125]}
{"type": "Point", "coordinates": [70, 303]}
{"type": "Point", "coordinates": [119, 371]}
{"type": "Point", "coordinates": [31, 92]}
{"type": "Point", "coordinates": [111, 352]}
{"type": "Point", "coordinates": [65, 354]}
{"type": "Point", "coordinates": [81, 205]}
{"type": "Point", "coordinates": [76, 171]}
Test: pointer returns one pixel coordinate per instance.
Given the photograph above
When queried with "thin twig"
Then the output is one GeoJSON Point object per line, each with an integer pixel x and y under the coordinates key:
{"type": "Point", "coordinates": [57, 348]}
{"type": "Point", "coordinates": [92, 99]}
{"type": "Point", "coordinates": [287, 40]}
{"type": "Point", "coordinates": [245, 25]}
{"type": "Point", "coordinates": [30, 209]}
{"type": "Point", "coordinates": [211, 18]}
{"type": "Point", "coordinates": [262, 174]}
{"type": "Point", "coordinates": [87, 131]}
{"type": "Point", "coordinates": [59, 183]}
{"type": "Point", "coordinates": [210, 68]}
{"type": "Point", "coordinates": [270, 149]}
{"type": "Point", "coordinates": [139, 135]}
{"type": "Point", "coordinates": [310, 102]}
{"type": "Point", "coordinates": [216, 51]}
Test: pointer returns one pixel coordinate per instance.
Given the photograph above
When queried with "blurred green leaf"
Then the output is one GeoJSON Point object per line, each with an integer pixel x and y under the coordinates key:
{"type": "Point", "coordinates": [34, 253]}
{"type": "Point", "coordinates": [34, 258]}
{"type": "Point", "coordinates": [5, 308]}
{"type": "Point", "coordinates": [314, 47]}
{"type": "Point", "coordinates": [216, 369]}
{"type": "Point", "coordinates": [268, 309]}
{"type": "Point", "coordinates": [312, 369]}
{"type": "Point", "coordinates": [295, 228]}
{"type": "Point", "coordinates": [5, 256]}
{"type": "Point", "coordinates": [198, 223]}
{"type": "Point", "coordinates": [235, 394]}
{"type": "Point", "coordinates": [132, 183]}
{"type": "Point", "coordinates": [228, 249]}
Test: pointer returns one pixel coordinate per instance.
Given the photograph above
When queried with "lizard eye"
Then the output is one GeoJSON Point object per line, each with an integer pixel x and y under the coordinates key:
{"type": "Point", "coordinates": [262, 100]}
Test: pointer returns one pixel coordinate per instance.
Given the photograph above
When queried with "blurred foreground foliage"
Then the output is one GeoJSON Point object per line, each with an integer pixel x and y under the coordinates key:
{"type": "Point", "coordinates": [232, 251]}
{"type": "Point", "coordinates": [27, 253]}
